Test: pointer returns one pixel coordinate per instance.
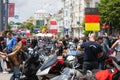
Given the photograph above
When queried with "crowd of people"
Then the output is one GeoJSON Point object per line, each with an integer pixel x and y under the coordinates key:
{"type": "Point", "coordinates": [96, 48]}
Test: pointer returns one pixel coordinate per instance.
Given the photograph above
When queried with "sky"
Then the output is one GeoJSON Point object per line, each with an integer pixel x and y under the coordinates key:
{"type": "Point", "coordinates": [26, 8]}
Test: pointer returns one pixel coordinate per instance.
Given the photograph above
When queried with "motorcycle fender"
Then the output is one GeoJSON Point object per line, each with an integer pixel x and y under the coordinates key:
{"type": "Point", "coordinates": [44, 72]}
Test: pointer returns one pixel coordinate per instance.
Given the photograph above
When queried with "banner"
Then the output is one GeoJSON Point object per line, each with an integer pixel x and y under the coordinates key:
{"type": "Point", "coordinates": [11, 8]}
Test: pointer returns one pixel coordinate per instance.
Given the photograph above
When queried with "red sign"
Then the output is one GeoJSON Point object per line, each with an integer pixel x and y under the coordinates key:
{"type": "Point", "coordinates": [53, 31]}
{"type": "Point", "coordinates": [92, 18]}
{"type": "Point", "coordinates": [53, 22]}
{"type": "Point", "coordinates": [11, 8]}
{"type": "Point", "coordinates": [53, 27]}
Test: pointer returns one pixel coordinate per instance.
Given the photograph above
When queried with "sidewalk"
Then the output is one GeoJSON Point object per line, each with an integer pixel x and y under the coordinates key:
{"type": "Point", "coordinates": [5, 76]}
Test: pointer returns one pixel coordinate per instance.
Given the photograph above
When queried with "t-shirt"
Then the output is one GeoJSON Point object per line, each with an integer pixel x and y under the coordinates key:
{"type": "Point", "coordinates": [1, 39]}
{"type": "Point", "coordinates": [92, 49]}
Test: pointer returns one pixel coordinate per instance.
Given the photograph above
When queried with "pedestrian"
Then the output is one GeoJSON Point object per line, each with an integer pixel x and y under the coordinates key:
{"type": "Point", "coordinates": [105, 50]}
{"type": "Point", "coordinates": [60, 48]}
{"type": "Point", "coordinates": [14, 60]}
{"type": "Point", "coordinates": [2, 40]}
{"type": "Point", "coordinates": [10, 43]}
{"type": "Point", "coordinates": [116, 47]}
{"type": "Point", "coordinates": [2, 46]}
{"type": "Point", "coordinates": [34, 42]}
{"type": "Point", "coordinates": [66, 41]}
{"type": "Point", "coordinates": [92, 51]}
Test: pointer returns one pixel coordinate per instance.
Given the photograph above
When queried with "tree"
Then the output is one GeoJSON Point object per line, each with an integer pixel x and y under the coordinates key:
{"type": "Point", "coordinates": [18, 23]}
{"type": "Point", "coordinates": [110, 12]}
{"type": "Point", "coordinates": [29, 25]}
{"type": "Point", "coordinates": [9, 27]}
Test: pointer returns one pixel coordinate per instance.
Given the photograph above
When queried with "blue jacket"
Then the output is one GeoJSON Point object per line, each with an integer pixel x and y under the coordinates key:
{"type": "Point", "coordinates": [11, 43]}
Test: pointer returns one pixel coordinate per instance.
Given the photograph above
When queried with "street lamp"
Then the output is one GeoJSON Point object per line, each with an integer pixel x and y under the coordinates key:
{"type": "Point", "coordinates": [1, 15]}
{"type": "Point", "coordinates": [6, 14]}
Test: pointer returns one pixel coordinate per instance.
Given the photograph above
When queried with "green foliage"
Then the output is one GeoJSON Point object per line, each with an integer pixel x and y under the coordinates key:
{"type": "Point", "coordinates": [29, 25]}
{"type": "Point", "coordinates": [8, 31]}
{"type": "Point", "coordinates": [31, 28]}
{"type": "Point", "coordinates": [18, 23]}
{"type": "Point", "coordinates": [22, 25]}
{"type": "Point", "coordinates": [9, 27]}
{"type": "Point", "coordinates": [110, 12]}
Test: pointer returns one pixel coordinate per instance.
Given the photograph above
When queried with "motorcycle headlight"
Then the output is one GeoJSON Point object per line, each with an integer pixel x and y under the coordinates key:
{"type": "Point", "coordinates": [70, 61]}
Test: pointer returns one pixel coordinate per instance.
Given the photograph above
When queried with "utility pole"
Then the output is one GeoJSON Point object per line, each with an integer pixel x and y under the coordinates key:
{"type": "Point", "coordinates": [1, 15]}
{"type": "Point", "coordinates": [6, 14]}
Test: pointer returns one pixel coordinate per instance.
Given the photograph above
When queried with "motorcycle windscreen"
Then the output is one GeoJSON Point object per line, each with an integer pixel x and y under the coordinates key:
{"type": "Point", "coordinates": [49, 62]}
{"type": "Point", "coordinates": [71, 53]}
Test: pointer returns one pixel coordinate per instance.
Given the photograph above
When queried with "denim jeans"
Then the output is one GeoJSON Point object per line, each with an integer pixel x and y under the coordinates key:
{"type": "Point", "coordinates": [2, 64]}
{"type": "Point", "coordinates": [0, 67]}
{"type": "Point", "coordinates": [90, 66]}
{"type": "Point", "coordinates": [16, 73]}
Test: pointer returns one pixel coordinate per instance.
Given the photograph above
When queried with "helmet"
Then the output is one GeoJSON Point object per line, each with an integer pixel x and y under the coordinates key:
{"type": "Point", "coordinates": [24, 41]}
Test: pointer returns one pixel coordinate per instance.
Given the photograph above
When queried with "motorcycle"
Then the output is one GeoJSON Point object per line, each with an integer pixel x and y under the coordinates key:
{"type": "Point", "coordinates": [107, 74]}
{"type": "Point", "coordinates": [71, 71]}
{"type": "Point", "coordinates": [74, 56]}
{"type": "Point", "coordinates": [31, 65]}
{"type": "Point", "coordinates": [51, 68]}
{"type": "Point", "coordinates": [69, 74]}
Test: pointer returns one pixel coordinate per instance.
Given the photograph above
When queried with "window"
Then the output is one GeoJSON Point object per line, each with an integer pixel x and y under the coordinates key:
{"type": "Point", "coordinates": [87, 4]}
{"type": "Point", "coordinates": [96, 4]}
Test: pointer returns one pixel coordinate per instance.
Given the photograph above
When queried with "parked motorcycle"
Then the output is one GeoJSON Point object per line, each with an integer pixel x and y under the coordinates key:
{"type": "Point", "coordinates": [74, 56]}
{"type": "Point", "coordinates": [31, 65]}
{"type": "Point", "coordinates": [51, 68]}
{"type": "Point", "coordinates": [69, 74]}
{"type": "Point", "coordinates": [107, 74]}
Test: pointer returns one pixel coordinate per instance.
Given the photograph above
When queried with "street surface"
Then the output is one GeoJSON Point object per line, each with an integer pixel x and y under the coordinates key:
{"type": "Point", "coordinates": [5, 76]}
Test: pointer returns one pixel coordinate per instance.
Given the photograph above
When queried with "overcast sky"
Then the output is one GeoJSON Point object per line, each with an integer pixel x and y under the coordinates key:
{"type": "Point", "coordinates": [26, 8]}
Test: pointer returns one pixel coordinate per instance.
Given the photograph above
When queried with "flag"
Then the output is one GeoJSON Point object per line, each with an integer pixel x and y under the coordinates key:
{"type": "Point", "coordinates": [92, 19]}
{"type": "Point", "coordinates": [11, 8]}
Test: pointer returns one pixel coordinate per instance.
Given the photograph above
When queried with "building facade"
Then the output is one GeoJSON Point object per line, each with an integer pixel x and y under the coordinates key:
{"type": "Point", "coordinates": [60, 22]}
{"type": "Point", "coordinates": [74, 15]}
{"type": "Point", "coordinates": [67, 10]}
{"type": "Point", "coordinates": [41, 17]}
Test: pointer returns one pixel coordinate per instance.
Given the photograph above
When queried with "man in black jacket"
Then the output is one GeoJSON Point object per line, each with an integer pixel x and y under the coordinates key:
{"type": "Point", "coordinates": [92, 50]}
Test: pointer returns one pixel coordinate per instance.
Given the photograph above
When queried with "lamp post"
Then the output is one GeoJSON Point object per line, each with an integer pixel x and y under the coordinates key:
{"type": "Point", "coordinates": [1, 15]}
{"type": "Point", "coordinates": [6, 14]}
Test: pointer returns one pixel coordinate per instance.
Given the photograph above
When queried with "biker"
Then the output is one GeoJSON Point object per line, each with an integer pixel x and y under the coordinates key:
{"type": "Point", "coordinates": [92, 50]}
